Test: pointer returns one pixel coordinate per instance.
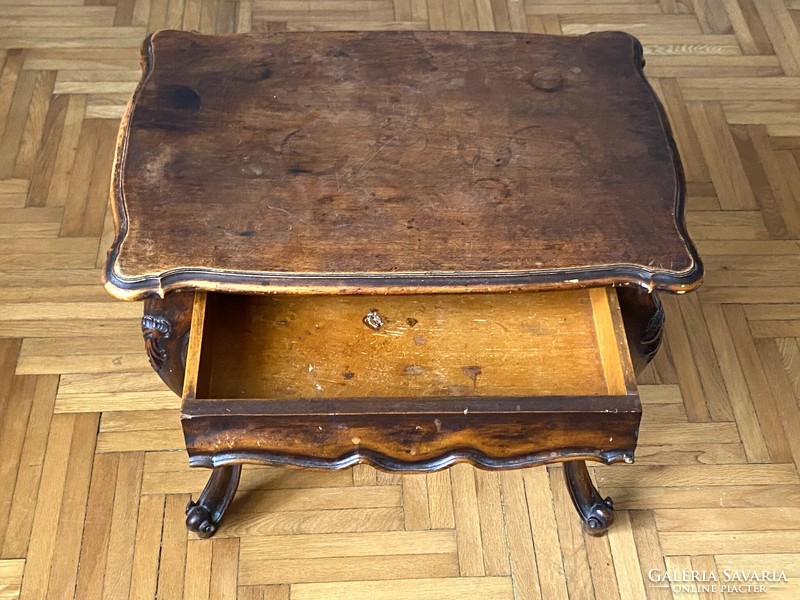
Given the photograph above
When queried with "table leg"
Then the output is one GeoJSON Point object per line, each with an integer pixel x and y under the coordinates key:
{"type": "Point", "coordinates": [643, 316]}
{"type": "Point", "coordinates": [596, 512]}
{"type": "Point", "coordinates": [203, 516]}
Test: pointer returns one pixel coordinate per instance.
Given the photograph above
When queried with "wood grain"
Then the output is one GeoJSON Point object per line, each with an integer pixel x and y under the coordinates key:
{"type": "Point", "coordinates": [416, 346]}
{"type": "Point", "coordinates": [496, 379]}
{"type": "Point", "coordinates": [407, 161]}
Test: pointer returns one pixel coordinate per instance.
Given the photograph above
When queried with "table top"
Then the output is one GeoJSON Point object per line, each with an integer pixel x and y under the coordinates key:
{"type": "Point", "coordinates": [397, 161]}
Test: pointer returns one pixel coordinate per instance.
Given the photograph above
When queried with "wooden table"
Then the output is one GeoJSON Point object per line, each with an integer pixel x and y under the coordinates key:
{"type": "Point", "coordinates": [406, 249]}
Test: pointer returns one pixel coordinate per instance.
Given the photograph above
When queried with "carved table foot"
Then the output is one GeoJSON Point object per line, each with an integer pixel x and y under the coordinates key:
{"type": "Point", "coordinates": [596, 512]}
{"type": "Point", "coordinates": [203, 516]}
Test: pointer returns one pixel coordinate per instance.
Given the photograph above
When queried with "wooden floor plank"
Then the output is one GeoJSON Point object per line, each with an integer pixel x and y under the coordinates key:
{"type": "Point", "coordinates": [726, 519]}
{"type": "Point", "coordinates": [197, 577]}
{"type": "Point", "coordinates": [13, 427]}
{"type": "Point", "coordinates": [648, 548]}
{"type": "Point", "coordinates": [440, 499]}
{"type": "Point", "coordinates": [172, 564]}
{"type": "Point", "coordinates": [578, 577]}
{"type": "Point", "coordinates": [97, 528]}
{"type": "Point", "coordinates": [626, 560]}
{"type": "Point", "coordinates": [703, 496]}
{"type": "Point", "coordinates": [714, 391]}
{"type": "Point", "coordinates": [675, 476]}
{"type": "Point", "coordinates": [783, 35]}
{"type": "Point", "coordinates": [601, 565]}
{"type": "Point", "coordinates": [278, 570]}
{"type": "Point", "coordinates": [780, 172]}
{"type": "Point", "coordinates": [13, 131]}
{"type": "Point", "coordinates": [789, 349]}
{"type": "Point", "coordinates": [11, 577]}
{"type": "Point", "coordinates": [768, 416]}
{"type": "Point", "coordinates": [66, 152]}
{"type": "Point", "coordinates": [45, 522]}
{"type": "Point", "coordinates": [415, 502]}
{"type": "Point", "coordinates": [87, 198]}
{"type": "Point", "coordinates": [490, 509]}
{"type": "Point", "coordinates": [680, 120]}
{"type": "Point", "coordinates": [9, 354]}
{"type": "Point", "coordinates": [224, 568]}
{"type": "Point", "coordinates": [420, 589]}
{"type": "Point", "coordinates": [732, 542]}
{"type": "Point", "coordinates": [723, 160]}
{"type": "Point", "coordinates": [34, 124]}
{"type": "Point", "coordinates": [65, 563]}
{"type": "Point", "coordinates": [354, 545]}
{"type": "Point", "coordinates": [686, 369]}
{"type": "Point", "coordinates": [741, 404]}
{"type": "Point", "coordinates": [313, 521]}
{"type": "Point", "coordinates": [781, 390]}
{"type": "Point", "coordinates": [12, 62]}
{"type": "Point", "coordinates": [116, 583]}
{"type": "Point", "coordinates": [518, 534]}
{"type": "Point", "coordinates": [545, 532]}
{"type": "Point", "coordinates": [28, 477]}
{"type": "Point", "coordinates": [147, 546]}
{"type": "Point", "coordinates": [467, 521]}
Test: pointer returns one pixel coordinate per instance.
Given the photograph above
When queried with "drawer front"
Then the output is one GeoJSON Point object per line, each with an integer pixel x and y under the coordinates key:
{"type": "Point", "coordinates": [412, 382]}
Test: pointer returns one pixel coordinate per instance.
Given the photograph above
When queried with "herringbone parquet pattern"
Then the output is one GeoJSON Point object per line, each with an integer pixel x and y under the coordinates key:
{"type": "Point", "coordinates": [92, 478]}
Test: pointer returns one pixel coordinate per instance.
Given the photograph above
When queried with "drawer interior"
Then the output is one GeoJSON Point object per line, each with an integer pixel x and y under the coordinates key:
{"type": "Point", "coordinates": [409, 382]}
{"type": "Point", "coordinates": [404, 346]}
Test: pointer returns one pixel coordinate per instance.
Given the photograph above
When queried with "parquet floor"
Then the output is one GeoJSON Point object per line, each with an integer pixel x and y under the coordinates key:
{"type": "Point", "coordinates": [92, 478]}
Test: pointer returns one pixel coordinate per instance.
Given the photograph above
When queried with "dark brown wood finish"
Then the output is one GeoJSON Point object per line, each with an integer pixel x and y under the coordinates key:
{"type": "Point", "coordinates": [370, 171]}
{"type": "Point", "coordinates": [204, 515]}
{"type": "Point", "coordinates": [644, 320]}
{"type": "Point", "coordinates": [407, 439]}
{"type": "Point", "coordinates": [165, 327]}
{"type": "Point", "coordinates": [596, 512]}
{"type": "Point", "coordinates": [394, 162]}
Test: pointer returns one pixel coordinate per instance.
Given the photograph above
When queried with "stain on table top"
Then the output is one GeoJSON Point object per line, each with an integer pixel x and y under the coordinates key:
{"type": "Point", "coordinates": [378, 162]}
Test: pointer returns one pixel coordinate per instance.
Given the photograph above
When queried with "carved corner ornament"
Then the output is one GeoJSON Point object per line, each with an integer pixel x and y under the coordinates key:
{"type": "Point", "coordinates": [155, 330]}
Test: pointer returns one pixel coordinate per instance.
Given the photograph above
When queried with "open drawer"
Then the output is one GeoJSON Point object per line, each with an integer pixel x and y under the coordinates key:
{"type": "Point", "coordinates": [409, 382]}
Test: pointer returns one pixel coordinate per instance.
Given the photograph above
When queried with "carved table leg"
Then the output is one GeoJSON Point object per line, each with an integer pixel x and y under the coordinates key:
{"type": "Point", "coordinates": [643, 316]}
{"type": "Point", "coordinates": [596, 512]}
{"type": "Point", "coordinates": [165, 327]}
{"type": "Point", "coordinates": [203, 516]}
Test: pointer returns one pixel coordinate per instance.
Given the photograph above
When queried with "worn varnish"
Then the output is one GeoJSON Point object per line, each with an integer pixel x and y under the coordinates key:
{"type": "Point", "coordinates": [446, 345]}
{"type": "Point", "coordinates": [409, 382]}
{"type": "Point", "coordinates": [319, 193]}
{"type": "Point", "coordinates": [395, 162]}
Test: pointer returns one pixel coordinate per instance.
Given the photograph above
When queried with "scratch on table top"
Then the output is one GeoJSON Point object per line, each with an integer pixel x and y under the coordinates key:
{"type": "Point", "coordinates": [362, 165]}
{"type": "Point", "coordinates": [291, 214]}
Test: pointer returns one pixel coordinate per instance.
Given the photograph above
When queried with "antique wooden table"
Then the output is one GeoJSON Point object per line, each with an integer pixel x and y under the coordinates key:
{"type": "Point", "coordinates": [401, 248]}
